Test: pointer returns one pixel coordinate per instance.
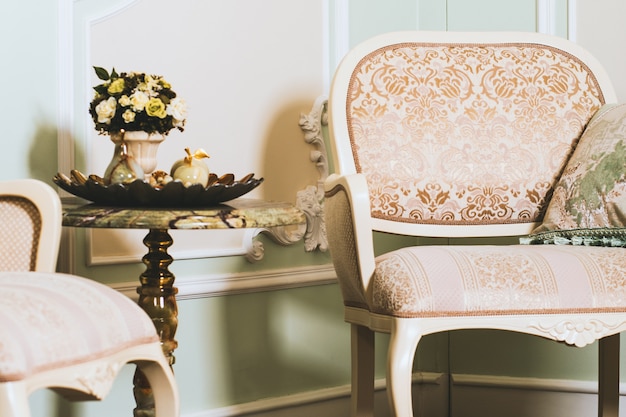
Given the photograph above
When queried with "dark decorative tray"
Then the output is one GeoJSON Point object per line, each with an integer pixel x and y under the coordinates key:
{"type": "Point", "coordinates": [140, 193]}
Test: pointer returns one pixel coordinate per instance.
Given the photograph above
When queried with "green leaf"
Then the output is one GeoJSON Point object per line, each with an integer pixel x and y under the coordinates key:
{"type": "Point", "coordinates": [102, 73]}
{"type": "Point", "coordinates": [101, 89]}
{"type": "Point", "coordinates": [114, 74]}
{"type": "Point", "coordinates": [165, 99]}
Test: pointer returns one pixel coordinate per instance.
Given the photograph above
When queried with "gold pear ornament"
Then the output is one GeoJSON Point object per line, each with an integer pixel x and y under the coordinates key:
{"type": "Point", "coordinates": [191, 169]}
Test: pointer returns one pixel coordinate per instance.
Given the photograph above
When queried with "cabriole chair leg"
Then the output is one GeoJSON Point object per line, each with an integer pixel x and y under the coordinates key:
{"type": "Point", "coordinates": [402, 347]}
{"type": "Point", "coordinates": [163, 388]}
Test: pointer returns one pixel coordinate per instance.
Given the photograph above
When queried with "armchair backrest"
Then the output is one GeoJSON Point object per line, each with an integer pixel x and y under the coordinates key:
{"type": "Point", "coordinates": [30, 226]}
{"type": "Point", "coordinates": [461, 134]}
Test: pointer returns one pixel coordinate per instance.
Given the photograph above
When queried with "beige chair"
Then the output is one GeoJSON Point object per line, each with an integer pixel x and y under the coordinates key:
{"type": "Point", "coordinates": [454, 135]}
{"type": "Point", "coordinates": [61, 331]}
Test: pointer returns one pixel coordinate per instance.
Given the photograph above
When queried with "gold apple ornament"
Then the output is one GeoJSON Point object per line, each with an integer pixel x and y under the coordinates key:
{"type": "Point", "coordinates": [191, 169]}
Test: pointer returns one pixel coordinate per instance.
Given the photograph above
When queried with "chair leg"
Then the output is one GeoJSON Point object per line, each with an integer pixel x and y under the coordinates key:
{"type": "Point", "coordinates": [402, 346]}
{"type": "Point", "coordinates": [608, 376]}
{"type": "Point", "coordinates": [362, 341]}
{"type": "Point", "coordinates": [164, 388]}
{"type": "Point", "coordinates": [14, 400]}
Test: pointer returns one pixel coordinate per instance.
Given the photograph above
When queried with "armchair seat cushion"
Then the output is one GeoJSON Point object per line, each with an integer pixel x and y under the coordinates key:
{"type": "Point", "coordinates": [51, 320]}
{"type": "Point", "coordinates": [429, 281]}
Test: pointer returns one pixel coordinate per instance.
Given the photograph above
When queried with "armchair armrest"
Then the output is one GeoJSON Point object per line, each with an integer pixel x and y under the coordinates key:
{"type": "Point", "coordinates": [349, 231]}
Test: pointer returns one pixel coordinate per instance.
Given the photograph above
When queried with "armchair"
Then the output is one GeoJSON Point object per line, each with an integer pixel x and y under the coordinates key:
{"type": "Point", "coordinates": [452, 135]}
{"type": "Point", "coordinates": [62, 331]}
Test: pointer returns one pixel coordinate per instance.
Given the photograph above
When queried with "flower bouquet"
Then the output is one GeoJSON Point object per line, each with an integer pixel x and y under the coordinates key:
{"type": "Point", "coordinates": [135, 102]}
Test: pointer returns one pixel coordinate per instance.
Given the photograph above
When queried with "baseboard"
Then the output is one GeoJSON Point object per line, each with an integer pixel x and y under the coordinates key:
{"type": "Point", "coordinates": [211, 285]}
{"type": "Point", "coordinates": [495, 396]}
{"type": "Point", "coordinates": [333, 402]}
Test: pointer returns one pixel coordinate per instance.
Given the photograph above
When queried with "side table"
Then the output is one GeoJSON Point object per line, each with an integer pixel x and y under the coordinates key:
{"type": "Point", "coordinates": [157, 294]}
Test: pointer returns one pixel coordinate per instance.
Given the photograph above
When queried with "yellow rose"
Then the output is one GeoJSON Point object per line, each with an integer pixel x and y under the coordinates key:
{"type": "Point", "coordinates": [116, 86]}
{"type": "Point", "coordinates": [156, 108]}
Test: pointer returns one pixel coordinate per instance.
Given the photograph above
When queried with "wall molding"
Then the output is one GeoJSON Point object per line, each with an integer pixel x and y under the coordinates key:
{"type": "Point", "coordinates": [65, 92]}
{"type": "Point", "coordinates": [546, 17]}
{"type": "Point", "coordinates": [526, 383]}
{"type": "Point", "coordinates": [341, 31]}
{"type": "Point", "coordinates": [72, 53]}
{"type": "Point", "coordinates": [572, 19]}
{"type": "Point", "coordinates": [212, 285]}
{"type": "Point", "coordinates": [65, 116]}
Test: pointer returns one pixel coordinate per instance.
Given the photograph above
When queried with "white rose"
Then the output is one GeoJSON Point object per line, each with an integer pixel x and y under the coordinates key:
{"type": "Point", "coordinates": [139, 99]}
{"type": "Point", "coordinates": [128, 116]}
{"type": "Point", "coordinates": [106, 110]}
{"type": "Point", "coordinates": [151, 85]}
{"type": "Point", "coordinates": [178, 110]}
{"type": "Point", "coordinates": [125, 101]}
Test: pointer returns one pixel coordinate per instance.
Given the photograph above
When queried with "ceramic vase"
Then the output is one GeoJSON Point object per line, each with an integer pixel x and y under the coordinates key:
{"type": "Point", "coordinates": [142, 146]}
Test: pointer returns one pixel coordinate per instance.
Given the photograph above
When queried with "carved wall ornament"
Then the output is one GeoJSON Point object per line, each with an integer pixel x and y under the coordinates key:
{"type": "Point", "coordinates": [311, 199]}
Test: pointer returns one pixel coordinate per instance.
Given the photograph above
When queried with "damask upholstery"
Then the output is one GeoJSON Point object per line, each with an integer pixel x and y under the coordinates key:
{"type": "Point", "coordinates": [61, 331]}
{"type": "Point", "coordinates": [472, 135]}
{"type": "Point", "coordinates": [444, 134]}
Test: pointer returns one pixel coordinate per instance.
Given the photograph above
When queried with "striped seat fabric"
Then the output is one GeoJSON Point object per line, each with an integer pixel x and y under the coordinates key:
{"type": "Point", "coordinates": [52, 320]}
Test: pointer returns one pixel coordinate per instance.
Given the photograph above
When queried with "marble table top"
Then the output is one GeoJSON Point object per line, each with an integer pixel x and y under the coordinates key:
{"type": "Point", "coordinates": [235, 214]}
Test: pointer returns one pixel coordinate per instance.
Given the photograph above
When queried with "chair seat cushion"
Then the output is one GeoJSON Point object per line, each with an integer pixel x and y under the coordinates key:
{"type": "Point", "coordinates": [51, 320]}
{"type": "Point", "coordinates": [428, 281]}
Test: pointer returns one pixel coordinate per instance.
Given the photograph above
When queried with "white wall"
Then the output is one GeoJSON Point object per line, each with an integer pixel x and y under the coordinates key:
{"type": "Point", "coordinates": [600, 28]}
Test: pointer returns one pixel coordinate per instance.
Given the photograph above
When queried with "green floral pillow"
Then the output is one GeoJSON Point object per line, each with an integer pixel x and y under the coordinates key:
{"type": "Point", "coordinates": [588, 206]}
